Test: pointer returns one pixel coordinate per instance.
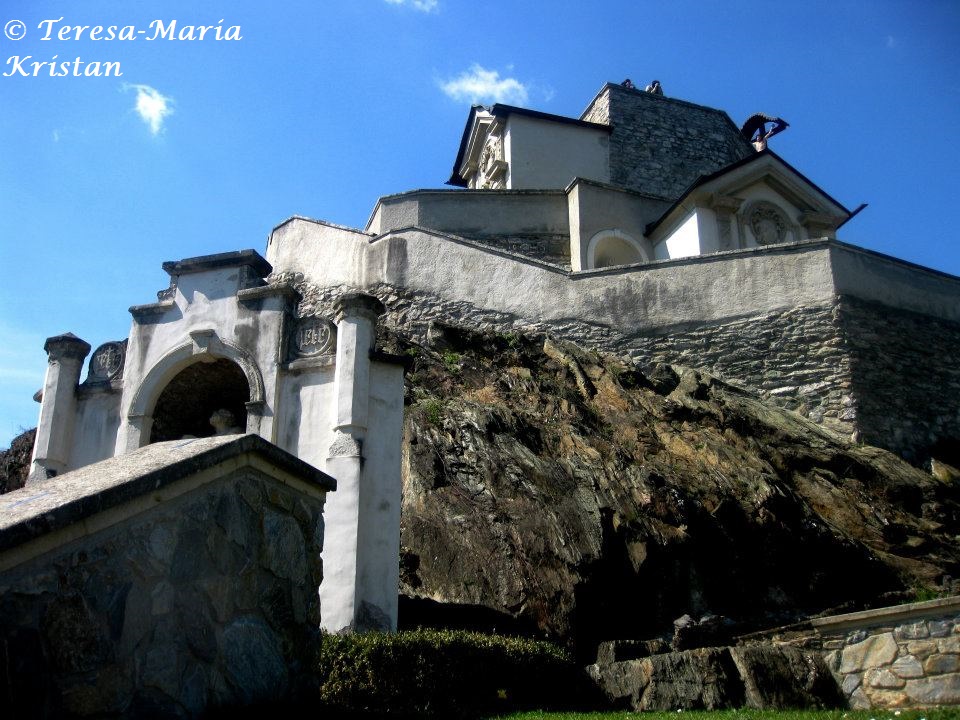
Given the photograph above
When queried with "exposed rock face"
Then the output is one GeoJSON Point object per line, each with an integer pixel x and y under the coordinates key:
{"type": "Point", "coordinates": [763, 677]}
{"type": "Point", "coordinates": [15, 461]}
{"type": "Point", "coordinates": [574, 494]}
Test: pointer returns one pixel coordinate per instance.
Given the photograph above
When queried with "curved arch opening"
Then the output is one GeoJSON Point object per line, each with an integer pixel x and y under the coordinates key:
{"type": "Point", "coordinates": [614, 247]}
{"type": "Point", "coordinates": [188, 402]}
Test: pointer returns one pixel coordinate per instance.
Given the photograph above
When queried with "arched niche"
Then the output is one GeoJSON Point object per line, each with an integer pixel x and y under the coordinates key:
{"type": "Point", "coordinates": [614, 247]}
{"type": "Point", "coordinates": [205, 347]}
{"type": "Point", "coordinates": [185, 406]}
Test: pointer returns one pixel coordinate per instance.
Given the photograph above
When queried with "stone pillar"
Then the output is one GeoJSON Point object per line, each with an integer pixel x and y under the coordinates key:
{"type": "Point", "coordinates": [58, 408]}
{"type": "Point", "coordinates": [345, 545]}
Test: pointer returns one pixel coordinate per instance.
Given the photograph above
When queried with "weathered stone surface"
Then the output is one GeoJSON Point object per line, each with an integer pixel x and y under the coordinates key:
{"type": "Point", "coordinates": [758, 676]}
{"type": "Point", "coordinates": [939, 628]}
{"type": "Point", "coordinates": [143, 620]}
{"type": "Point", "coordinates": [622, 683]}
{"type": "Point", "coordinates": [907, 666]}
{"type": "Point", "coordinates": [938, 690]}
{"type": "Point", "coordinates": [913, 631]}
{"type": "Point", "coordinates": [940, 664]}
{"type": "Point", "coordinates": [949, 644]}
{"type": "Point", "coordinates": [781, 677]}
{"type": "Point", "coordinates": [875, 651]}
{"type": "Point", "coordinates": [615, 500]}
{"type": "Point", "coordinates": [850, 683]}
{"type": "Point", "coordinates": [882, 678]}
{"type": "Point", "coordinates": [696, 679]}
{"type": "Point", "coordinates": [253, 661]}
{"type": "Point", "coordinates": [884, 698]}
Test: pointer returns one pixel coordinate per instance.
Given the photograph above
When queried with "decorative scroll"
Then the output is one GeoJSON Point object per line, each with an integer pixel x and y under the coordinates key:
{"type": "Point", "coordinates": [768, 224]}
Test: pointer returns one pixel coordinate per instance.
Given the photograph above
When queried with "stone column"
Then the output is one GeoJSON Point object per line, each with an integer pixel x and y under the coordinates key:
{"type": "Point", "coordinates": [341, 606]}
{"type": "Point", "coordinates": [58, 408]}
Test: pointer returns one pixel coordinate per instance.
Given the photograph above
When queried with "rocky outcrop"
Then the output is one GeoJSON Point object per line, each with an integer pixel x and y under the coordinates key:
{"type": "Point", "coordinates": [15, 461]}
{"type": "Point", "coordinates": [571, 494]}
{"type": "Point", "coordinates": [763, 677]}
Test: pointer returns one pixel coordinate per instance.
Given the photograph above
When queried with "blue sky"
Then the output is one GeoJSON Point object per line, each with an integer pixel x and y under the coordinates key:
{"type": "Point", "coordinates": [203, 146]}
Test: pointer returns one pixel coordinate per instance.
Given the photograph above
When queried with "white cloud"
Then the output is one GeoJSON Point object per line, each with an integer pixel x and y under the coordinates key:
{"type": "Point", "coordinates": [421, 5]}
{"type": "Point", "coordinates": [152, 106]}
{"type": "Point", "coordinates": [478, 84]}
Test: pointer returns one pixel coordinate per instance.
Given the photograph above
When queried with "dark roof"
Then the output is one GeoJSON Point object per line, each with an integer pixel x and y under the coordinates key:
{"type": "Point", "coordinates": [501, 110]}
{"type": "Point", "coordinates": [704, 179]}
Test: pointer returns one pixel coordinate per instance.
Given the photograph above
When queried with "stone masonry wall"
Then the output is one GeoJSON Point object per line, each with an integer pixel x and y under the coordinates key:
{"type": "Point", "coordinates": [795, 357]}
{"type": "Point", "coordinates": [897, 665]}
{"type": "Point", "coordinates": [660, 145]}
{"type": "Point", "coordinates": [892, 657]}
{"type": "Point", "coordinates": [905, 376]}
{"type": "Point", "coordinates": [852, 366]}
{"type": "Point", "coordinates": [208, 600]}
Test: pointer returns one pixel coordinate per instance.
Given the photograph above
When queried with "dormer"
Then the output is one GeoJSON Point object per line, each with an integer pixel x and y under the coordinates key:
{"type": "Point", "coordinates": [761, 200]}
{"type": "Point", "coordinates": [509, 148]}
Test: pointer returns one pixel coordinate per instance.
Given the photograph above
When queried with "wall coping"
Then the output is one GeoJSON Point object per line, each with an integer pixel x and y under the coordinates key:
{"type": "Point", "coordinates": [886, 615]}
{"type": "Point", "coordinates": [147, 477]}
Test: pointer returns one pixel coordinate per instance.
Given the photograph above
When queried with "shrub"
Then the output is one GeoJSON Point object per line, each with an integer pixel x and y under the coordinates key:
{"type": "Point", "coordinates": [441, 672]}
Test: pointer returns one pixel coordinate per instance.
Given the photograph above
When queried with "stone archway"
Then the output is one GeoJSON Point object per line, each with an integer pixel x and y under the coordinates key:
{"type": "Point", "coordinates": [205, 346]}
{"type": "Point", "coordinates": [185, 406]}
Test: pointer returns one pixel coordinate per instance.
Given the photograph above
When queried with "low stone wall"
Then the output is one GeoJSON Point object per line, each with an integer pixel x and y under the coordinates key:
{"type": "Point", "coordinates": [166, 582]}
{"type": "Point", "coordinates": [902, 656]}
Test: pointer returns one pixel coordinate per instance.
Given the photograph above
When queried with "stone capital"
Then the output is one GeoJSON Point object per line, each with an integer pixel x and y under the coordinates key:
{"type": "Point", "coordinates": [724, 203]}
{"type": "Point", "coordinates": [354, 304]}
{"type": "Point", "coordinates": [66, 347]}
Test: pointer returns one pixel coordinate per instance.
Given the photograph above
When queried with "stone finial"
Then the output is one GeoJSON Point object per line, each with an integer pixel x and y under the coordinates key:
{"type": "Point", "coordinates": [66, 347]}
{"type": "Point", "coordinates": [353, 304]}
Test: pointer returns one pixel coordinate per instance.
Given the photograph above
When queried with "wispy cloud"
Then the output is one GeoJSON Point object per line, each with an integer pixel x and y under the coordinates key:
{"type": "Point", "coordinates": [891, 41]}
{"type": "Point", "coordinates": [479, 84]}
{"type": "Point", "coordinates": [421, 5]}
{"type": "Point", "coordinates": [152, 106]}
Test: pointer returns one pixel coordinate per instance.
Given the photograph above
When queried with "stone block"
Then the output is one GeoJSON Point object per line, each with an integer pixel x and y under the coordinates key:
{"type": "Point", "coordinates": [937, 690]}
{"type": "Point", "coordinates": [921, 648]}
{"type": "Point", "coordinates": [949, 644]}
{"type": "Point", "coordinates": [907, 666]}
{"type": "Point", "coordinates": [875, 651]}
{"type": "Point", "coordinates": [882, 678]}
{"type": "Point", "coordinates": [912, 631]}
{"type": "Point", "coordinates": [780, 677]}
{"type": "Point", "coordinates": [941, 664]}
{"type": "Point", "coordinates": [883, 698]}
{"type": "Point", "coordinates": [939, 628]}
{"type": "Point", "coordinates": [850, 683]}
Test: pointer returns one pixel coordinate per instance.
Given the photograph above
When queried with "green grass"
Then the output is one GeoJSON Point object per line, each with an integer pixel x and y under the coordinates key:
{"type": "Point", "coordinates": [938, 714]}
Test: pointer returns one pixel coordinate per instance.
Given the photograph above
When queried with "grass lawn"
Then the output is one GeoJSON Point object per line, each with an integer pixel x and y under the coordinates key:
{"type": "Point", "coordinates": [939, 714]}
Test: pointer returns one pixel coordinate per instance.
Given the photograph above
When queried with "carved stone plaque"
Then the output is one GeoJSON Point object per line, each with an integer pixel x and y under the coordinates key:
{"type": "Point", "coordinates": [768, 224]}
{"type": "Point", "coordinates": [106, 362]}
{"type": "Point", "coordinates": [314, 336]}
